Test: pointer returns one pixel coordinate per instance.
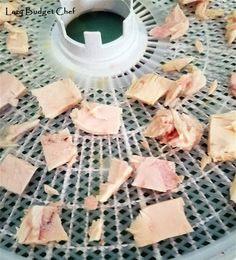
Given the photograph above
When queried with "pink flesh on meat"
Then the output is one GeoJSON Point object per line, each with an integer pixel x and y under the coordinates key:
{"type": "Point", "coordinates": [58, 97]}
{"type": "Point", "coordinates": [233, 84]}
{"type": "Point", "coordinates": [97, 119]}
{"type": "Point", "coordinates": [160, 221]}
{"type": "Point", "coordinates": [15, 174]}
{"type": "Point", "coordinates": [119, 172]}
{"type": "Point", "coordinates": [90, 203]}
{"type": "Point", "coordinates": [41, 225]}
{"type": "Point", "coordinates": [11, 89]}
{"type": "Point", "coordinates": [155, 174]}
{"type": "Point", "coordinates": [176, 25]}
{"type": "Point", "coordinates": [58, 149]}
{"type": "Point", "coordinates": [177, 130]}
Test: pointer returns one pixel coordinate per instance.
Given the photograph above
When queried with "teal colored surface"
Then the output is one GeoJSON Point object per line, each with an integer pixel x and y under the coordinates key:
{"type": "Point", "coordinates": [109, 24]}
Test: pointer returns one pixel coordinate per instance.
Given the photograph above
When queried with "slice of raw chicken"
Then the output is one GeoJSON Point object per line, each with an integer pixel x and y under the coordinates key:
{"type": "Point", "coordinates": [17, 39]}
{"type": "Point", "coordinates": [149, 88]}
{"type": "Point", "coordinates": [50, 190]}
{"type": "Point", "coordinates": [95, 230]}
{"type": "Point", "coordinates": [119, 172]}
{"type": "Point", "coordinates": [58, 97]}
{"type": "Point", "coordinates": [97, 119]}
{"type": "Point", "coordinates": [6, 12]}
{"type": "Point", "coordinates": [15, 174]}
{"type": "Point", "coordinates": [187, 85]}
{"type": "Point", "coordinates": [10, 133]}
{"type": "Point", "coordinates": [233, 84]}
{"type": "Point", "coordinates": [177, 130]}
{"type": "Point", "coordinates": [58, 149]}
{"type": "Point", "coordinates": [222, 137]}
{"type": "Point", "coordinates": [202, 11]}
{"type": "Point", "coordinates": [90, 203]}
{"type": "Point", "coordinates": [11, 89]}
{"type": "Point", "coordinates": [155, 174]}
{"type": "Point", "coordinates": [231, 28]}
{"type": "Point", "coordinates": [233, 190]}
{"type": "Point", "coordinates": [176, 64]}
{"type": "Point", "coordinates": [160, 221]}
{"type": "Point", "coordinates": [176, 25]}
{"type": "Point", "coordinates": [41, 225]}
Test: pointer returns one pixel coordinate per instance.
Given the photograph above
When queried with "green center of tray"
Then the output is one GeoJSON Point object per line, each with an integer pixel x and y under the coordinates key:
{"type": "Point", "coordinates": [109, 24]}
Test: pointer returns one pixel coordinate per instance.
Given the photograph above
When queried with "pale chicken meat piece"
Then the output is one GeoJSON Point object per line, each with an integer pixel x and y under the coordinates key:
{"type": "Point", "coordinates": [9, 133]}
{"type": "Point", "coordinates": [202, 11]}
{"type": "Point", "coordinates": [186, 86]}
{"type": "Point", "coordinates": [222, 137]}
{"type": "Point", "coordinates": [233, 190]}
{"type": "Point", "coordinates": [176, 25]}
{"type": "Point", "coordinates": [233, 84]}
{"type": "Point", "coordinates": [90, 203]}
{"type": "Point", "coordinates": [231, 28]}
{"type": "Point", "coordinates": [213, 87]}
{"type": "Point", "coordinates": [50, 190]}
{"type": "Point", "coordinates": [199, 46]}
{"type": "Point", "coordinates": [149, 88]}
{"type": "Point", "coordinates": [95, 230]}
{"type": "Point", "coordinates": [58, 149]}
{"type": "Point", "coordinates": [58, 97]}
{"type": "Point", "coordinates": [205, 161]}
{"type": "Point", "coordinates": [176, 64]}
{"type": "Point", "coordinates": [11, 90]}
{"type": "Point", "coordinates": [155, 174]}
{"type": "Point", "coordinates": [41, 225]}
{"type": "Point", "coordinates": [119, 172]}
{"type": "Point", "coordinates": [97, 119]}
{"type": "Point", "coordinates": [17, 39]}
{"type": "Point", "coordinates": [174, 129]}
{"type": "Point", "coordinates": [6, 12]}
{"type": "Point", "coordinates": [15, 174]}
{"type": "Point", "coordinates": [159, 222]}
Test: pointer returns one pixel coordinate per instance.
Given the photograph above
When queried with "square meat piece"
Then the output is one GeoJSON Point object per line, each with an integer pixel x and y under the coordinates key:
{"type": "Point", "coordinates": [58, 149]}
{"type": "Point", "coordinates": [15, 174]}
{"type": "Point", "coordinates": [58, 97]}
{"type": "Point", "coordinates": [11, 89]}
{"type": "Point", "coordinates": [160, 221]}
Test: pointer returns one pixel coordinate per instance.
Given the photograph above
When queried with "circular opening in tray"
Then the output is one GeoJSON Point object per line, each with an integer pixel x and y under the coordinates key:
{"type": "Point", "coordinates": [109, 24]}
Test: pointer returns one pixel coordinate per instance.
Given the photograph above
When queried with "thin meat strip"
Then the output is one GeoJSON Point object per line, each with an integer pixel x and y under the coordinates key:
{"type": "Point", "coordinates": [119, 172]}
{"type": "Point", "coordinates": [231, 28]}
{"type": "Point", "coordinates": [233, 84]}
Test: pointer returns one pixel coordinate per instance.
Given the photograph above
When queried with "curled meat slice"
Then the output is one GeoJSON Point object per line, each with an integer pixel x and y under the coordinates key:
{"type": "Point", "coordinates": [149, 88]}
{"type": "Point", "coordinates": [160, 221]}
{"type": "Point", "coordinates": [187, 85]}
{"type": "Point", "coordinates": [176, 64]}
{"type": "Point", "coordinates": [97, 119]}
{"type": "Point", "coordinates": [176, 25]}
{"type": "Point", "coordinates": [177, 130]}
{"type": "Point", "coordinates": [41, 225]}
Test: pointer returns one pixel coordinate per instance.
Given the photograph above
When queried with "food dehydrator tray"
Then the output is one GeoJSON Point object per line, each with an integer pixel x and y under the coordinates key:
{"type": "Point", "coordinates": [206, 194]}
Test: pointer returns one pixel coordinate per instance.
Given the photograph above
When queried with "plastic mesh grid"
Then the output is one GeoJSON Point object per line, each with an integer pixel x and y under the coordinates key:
{"type": "Point", "coordinates": [205, 194]}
